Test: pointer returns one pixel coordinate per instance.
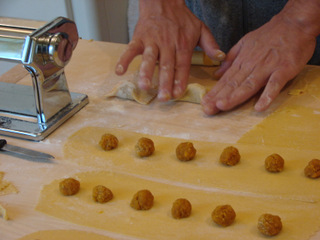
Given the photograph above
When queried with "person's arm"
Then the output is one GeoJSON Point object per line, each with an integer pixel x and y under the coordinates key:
{"type": "Point", "coordinates": [305, 14]}
{"type": "Point", "coordinates": [167, 32]}
{"type": "Point", "coordinates": [267, 57]}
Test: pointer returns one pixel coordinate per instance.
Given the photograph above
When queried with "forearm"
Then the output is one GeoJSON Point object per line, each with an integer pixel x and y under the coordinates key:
{"type": "Point", "coordinates": [305, 14]}
{"type": "Point", "coordinates": [158, 5]}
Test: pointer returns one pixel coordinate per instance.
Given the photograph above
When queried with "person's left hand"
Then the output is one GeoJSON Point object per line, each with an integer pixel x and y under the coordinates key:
{"type": "Point", "coordinates": [269, 56]}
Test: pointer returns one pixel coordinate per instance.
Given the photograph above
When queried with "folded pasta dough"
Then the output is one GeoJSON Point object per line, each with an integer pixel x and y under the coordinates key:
{"type": "Point", "coordinates": [128, 89]}
{"type": "Point", "coordinates": [194, 93]}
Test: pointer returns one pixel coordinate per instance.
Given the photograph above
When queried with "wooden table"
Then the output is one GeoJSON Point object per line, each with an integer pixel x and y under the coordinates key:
{"type": "Point", "coordinates": [91, 71]}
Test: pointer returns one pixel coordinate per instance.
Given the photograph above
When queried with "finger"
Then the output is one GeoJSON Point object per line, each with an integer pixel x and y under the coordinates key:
{"type": "Point", "coordinates": [226, 84]}
{"type": "Point", "coordinates": [277, 81]}
{"type": "Point", "coordinates": [226, 64]}
{"type": "Point", "coordinates": [247, 80]}
{"type": "Point", "coordinates": [148, 63]}
{"type": "Point", "coordinates": [208, 43]}
{"type": "Point", "coordinates": [135, 48]}
{"type": "Point", "coordinates": [229, 76]}
{"type": "Point", "coordinates": [219, 97]}
{"type": "Point", "coordinates": [250, 86]}
{"type": "Point", "coordinates": [182, 69]}
{"type": "Point", "coordinates": [210, 99]}
{"type": "Point", "coordinates": [166, 73]}
{"type": "Point", "coordinates": [230, 81]}
{"type": "Point", "coordinates": [209, 104]}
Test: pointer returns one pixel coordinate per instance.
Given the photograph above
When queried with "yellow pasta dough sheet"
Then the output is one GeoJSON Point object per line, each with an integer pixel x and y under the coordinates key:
{"type": "Point", "coordinates": [294, 127]}
{"type": "Point", "coordinates": [205, 171]}
{"type": "Point", "coordinates": [296, 122]}
{"type": "Point", "coordinates": [157, 223]}
{"type": "Point", "coordinates": [64, 235]}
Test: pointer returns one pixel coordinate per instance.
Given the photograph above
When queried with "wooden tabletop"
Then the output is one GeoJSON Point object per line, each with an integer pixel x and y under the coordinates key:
{"type": "Point", "coordinates": [91, 71]}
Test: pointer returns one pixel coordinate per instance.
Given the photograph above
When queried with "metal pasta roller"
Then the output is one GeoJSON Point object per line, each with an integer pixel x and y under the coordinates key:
{"type": "Point", "coordinates": [33, 112]}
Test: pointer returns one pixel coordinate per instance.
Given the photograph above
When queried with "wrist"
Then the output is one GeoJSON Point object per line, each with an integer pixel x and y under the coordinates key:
{"type": "Point", "coordinates": [304, 14]}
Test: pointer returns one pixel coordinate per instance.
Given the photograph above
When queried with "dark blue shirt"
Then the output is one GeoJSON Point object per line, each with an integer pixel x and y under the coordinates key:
{"type": "Point", "coordinates": [230, 20]}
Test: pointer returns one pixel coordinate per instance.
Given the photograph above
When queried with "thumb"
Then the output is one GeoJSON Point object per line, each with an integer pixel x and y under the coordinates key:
{"type": "Point", "coordinates": [208, 43]}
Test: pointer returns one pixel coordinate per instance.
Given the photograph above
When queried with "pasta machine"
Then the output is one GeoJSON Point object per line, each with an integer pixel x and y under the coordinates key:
{"type": "Point", "coordinates": [33, 112]}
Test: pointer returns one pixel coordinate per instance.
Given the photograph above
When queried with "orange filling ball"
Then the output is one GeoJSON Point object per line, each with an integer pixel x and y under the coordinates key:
{"type": "Point", "coordinates": [230, 156]}
{"type": "Point", "coordinates": [108, 142]}
{"type": "Point", "coordinates": [69, 186]}
{"type": "Point", "coordinates": [181, 208]}
{"type": "Point", "coordinates": [223, 215]}
{"type": "Point", "coordinates": [142, 200]}
{"type": "Point", "coordinates": [144, 147]}
{"type": "Point", "coordinates": [185, 151]}
{"type": "Point", "coordinates": [269, 225]}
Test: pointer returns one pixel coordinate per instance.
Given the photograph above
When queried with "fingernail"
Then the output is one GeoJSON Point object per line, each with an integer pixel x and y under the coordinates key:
{"type": "Point", "coordinates": [119, 69]}
{"type": "Point", "coordinates": [206, 109]}
{"type": "Point", "coordinates": [220, 56]}
{"type": "Point", "coordinates": [262, 104]}
{"type": "Point", "coordinates": [164, 95]}
{"type": "Point", "coordinates": [259, 107]}
{"type": "Point", "coordinates": [221, 104]}
{"type": "Point", "coordinates": [145, 83]}
{"type": "Point", "coordinates": [177, 91]}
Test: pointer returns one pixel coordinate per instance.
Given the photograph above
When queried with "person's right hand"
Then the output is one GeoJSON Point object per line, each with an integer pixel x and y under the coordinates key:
{"type": "Point", "coordinates": [167, 32]}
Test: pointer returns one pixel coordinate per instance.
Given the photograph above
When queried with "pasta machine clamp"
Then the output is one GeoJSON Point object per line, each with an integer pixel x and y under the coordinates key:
{"type": "Point", "coordinates": [33, 112]}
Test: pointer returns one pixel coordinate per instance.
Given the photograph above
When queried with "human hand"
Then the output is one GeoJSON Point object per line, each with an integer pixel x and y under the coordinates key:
{"type": "Point", "coordinates": [167, 32]}
{"type": "Point", "coordinates": [267, 57]}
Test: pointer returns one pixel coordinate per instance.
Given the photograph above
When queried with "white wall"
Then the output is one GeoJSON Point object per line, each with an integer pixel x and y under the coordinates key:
{"type": "Point", "coordinates": [43, 10]}
{"type": "Point", "coordinates": [101, 20]}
